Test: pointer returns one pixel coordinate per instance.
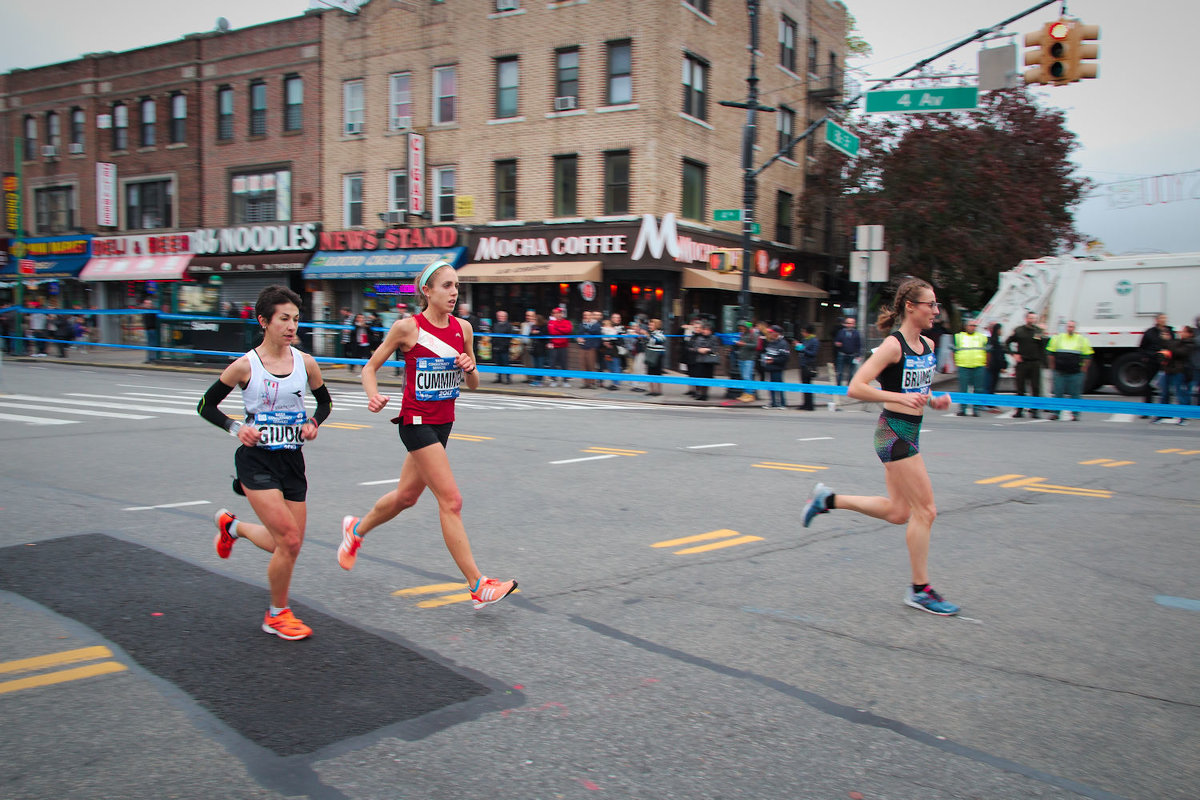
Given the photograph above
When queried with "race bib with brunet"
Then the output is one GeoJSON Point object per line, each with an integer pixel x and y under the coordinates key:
{"type": "Point", "coordinates": [280, 430]}
{"type": "Point", "coordinates": [437, 379]}
{"type": "Point", "coordinates": [917, 375]}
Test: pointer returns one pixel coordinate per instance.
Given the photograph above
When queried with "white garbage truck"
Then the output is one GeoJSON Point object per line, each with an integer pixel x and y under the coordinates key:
{"type": "Point", "coordinates": [1112, 299]}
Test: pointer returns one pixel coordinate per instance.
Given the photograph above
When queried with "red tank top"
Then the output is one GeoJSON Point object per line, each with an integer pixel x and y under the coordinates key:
{"type": "Point", "coordinates": [431, 379]}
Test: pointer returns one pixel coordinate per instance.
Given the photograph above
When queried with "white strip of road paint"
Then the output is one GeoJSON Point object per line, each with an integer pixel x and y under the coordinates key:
{"type": "Point", "coordinates": [816, 439]}
{"type": "Point", "coordinates": [55, 400]}
{"type": "Point", "coordinates": [703, 446]}
{"type": "Point", "coordinates": [589, 458]}
{"type": "Point", "coordinates": [81, 411]}
{"type": "Point", "coordinates": [379, 483]}
{"type": "Point", "coordinates": [168, 505]}
{"type": "Point", "coordinates": [37, 420]}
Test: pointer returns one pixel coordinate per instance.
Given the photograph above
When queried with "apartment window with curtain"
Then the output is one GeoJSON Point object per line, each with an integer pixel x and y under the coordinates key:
{"type": "Point", "coordinates": [508, 84]}
{"type": "Point", "coordinates": [787, 43]}
{"type": "Point", "coordinates": [263, 195]}
{"type": "Point", "coordinates": [178, 133]}
{"type": "Point", "coordinates": [443, 194]}
{"type": "Point", "coordinates": [225, 113]}
{"type": "Point", "coordinates": [149, 205]}
{"type": "Point", "coordinates": [620, 73]}
{"type": "Point", "coordinates": [31, 137]}
{"type": "Point", "coordinates": [400, 99]}
{"type": "Point", "coordinates": [695, 78]}
{"type": "Point", "coordinates": [397, 190]}
{"type": "Point", "coordinates": [54, 132]}
{"type": "Point", "coordinates": [353, 110]}
{"type": "Point", "coordinates": [78, 125]}
{"type": "Point", "coordinates": [616, 182]}
{"type": "Point", "coordinates": [352, 201]}
{"type": "Point", "coordinates": [566, 79]}
{"type": "Point", "coordinates": [54, 210]}
{"type": "Point", "coordinates": [149, 111]}
{"type": "Point", "coordinates": [505, 173]}
{"type": "Point", "coordinates": [813, 45]}
{"type": "Point", "coordinates": [693, 190]}
{"type": "Point", "coordinates": [293, 103]}
{"type": "Point", "coordinates": [258, 108]}
{"type": "Point", "coordinates": [785, 124]}
{"type": "Point", "coordinates": [783, 217]}
{"type": "Point", "coordinates": [445, 95]}
{"type": "Point", "coordinates": [120, 126]}
{"type": "Point", "coordinates": [566, 185]}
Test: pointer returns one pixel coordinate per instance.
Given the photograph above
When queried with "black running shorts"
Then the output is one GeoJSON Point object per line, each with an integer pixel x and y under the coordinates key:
{"type": "Point", "coordinates": [416, 437]}
{"type": "Point", "coordinates": [259, 469]}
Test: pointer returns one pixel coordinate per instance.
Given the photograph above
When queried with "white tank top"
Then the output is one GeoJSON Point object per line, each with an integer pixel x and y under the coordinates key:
{"type": "Point", "coordinates": [276, 405]}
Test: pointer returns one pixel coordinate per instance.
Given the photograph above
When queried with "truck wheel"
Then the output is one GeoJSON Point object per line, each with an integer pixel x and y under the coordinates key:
{"type": "Point", "coordinates": [1130, 375]}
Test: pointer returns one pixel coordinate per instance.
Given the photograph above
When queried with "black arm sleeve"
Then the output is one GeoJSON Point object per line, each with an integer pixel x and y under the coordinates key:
{"type": "Point", "coordinates": [208, 409]}
{"type": "Point", "coordinates": [324, 403]}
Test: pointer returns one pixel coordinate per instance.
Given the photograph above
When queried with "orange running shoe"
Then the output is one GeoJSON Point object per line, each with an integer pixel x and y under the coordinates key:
{"type": "Point", "coordinates": [285, 625]}
{"type": "Point", "coordinates": [225, 539]}
{"type": "Point", "coordinates": [491, 591]}
{"type": "Point", "coordinates": [351, 541]}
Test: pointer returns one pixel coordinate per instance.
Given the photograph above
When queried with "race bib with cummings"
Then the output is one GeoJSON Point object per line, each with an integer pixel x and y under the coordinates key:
{"type": "Point", "coordinates": [437, 379]}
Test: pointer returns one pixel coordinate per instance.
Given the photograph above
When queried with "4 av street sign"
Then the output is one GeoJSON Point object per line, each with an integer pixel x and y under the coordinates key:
{"type": "Point", "coordinates": [919, 101]}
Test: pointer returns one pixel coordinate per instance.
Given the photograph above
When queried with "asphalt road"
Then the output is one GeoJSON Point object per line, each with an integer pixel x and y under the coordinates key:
{"type": "Point", "coordinates": [677, 633]}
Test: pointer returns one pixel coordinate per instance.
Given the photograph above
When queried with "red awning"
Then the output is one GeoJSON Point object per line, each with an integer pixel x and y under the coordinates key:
{"type": "Point", "coordinates": [138, 268]}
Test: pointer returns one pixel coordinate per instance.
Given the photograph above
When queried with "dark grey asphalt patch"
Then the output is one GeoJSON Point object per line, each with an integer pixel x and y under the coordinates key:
{"type": "Point", "coordinates": [289, 697]}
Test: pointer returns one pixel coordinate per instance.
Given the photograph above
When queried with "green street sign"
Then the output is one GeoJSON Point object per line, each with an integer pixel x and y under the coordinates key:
{"type": "Point", "coordinates": [727, 215]}
{"type": "Point", "coordinates": [840, 139]}
{"type": "Point", "coordinates": [755, 227]}
{"type": "Point", "coordinates": [923, 101]}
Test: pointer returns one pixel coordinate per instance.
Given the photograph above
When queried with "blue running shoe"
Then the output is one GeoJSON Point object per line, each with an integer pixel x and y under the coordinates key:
{"type": "Point", "coordinates": [816, 503]}
{"type": "Point", "coordinates": [929, 600]}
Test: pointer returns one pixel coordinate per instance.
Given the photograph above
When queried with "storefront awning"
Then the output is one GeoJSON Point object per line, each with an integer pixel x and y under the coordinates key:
{"type": "Point", "coordinates": [372, 264]}
{"type": "Point", "coordinates": [139, 268]}
{"type": "Point", "coordinates": [532, 272]}
{"type": "Point", "coordinates": [732, 282]}
{"type": "Point", "coordinates": [252, 262]}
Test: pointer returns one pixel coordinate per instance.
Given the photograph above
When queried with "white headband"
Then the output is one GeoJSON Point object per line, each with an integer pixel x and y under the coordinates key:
{"type": "Point", "coordinates": [432, 268]}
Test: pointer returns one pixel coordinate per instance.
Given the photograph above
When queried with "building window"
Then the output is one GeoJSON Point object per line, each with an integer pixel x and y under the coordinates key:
{"type": "Point", "coordinates": [225, 113]}
{"type": "Point", "coordinates": [700, 5]}
{"type": "Point", "coordinates": [506, 189]}
{"type": "Point", "coordinates": [616, 182]}
{"type": "Point", "coordinates": [566, 79]}
{"type": "Point", "coordinates": [397, 190]}
{"type": "Point", "coordinates": [54, 209]}
{"type": "Point", "coordinates": [787, 43]}
{"type": "Point", "coordinates": [443, 194]}
{"type": "Point", "coordinates": [293, 103]}
{"type": "Point", "coordinates": [445, 95]}
{"type": "Point", "coordinates": [783, 217]}
{"type": "Point", "coordinates": [54, 132]}
{"type": "Point", "coordinates": [812, 56]}
{"type": "Point", "coordinates": [148, 205]}
{"type": "Point", "coordinates": [693, 190]}
{"type": "Point", "coordinates": [401, 102]}
{"type": "Point", "coordinates": [352, 201]}
{"type": "Point", "coordinates": [620, 73]}
{"type": "Point", "coordinates": [810, 144]}
{"type": "Point", "coordinates": [508, 85]}
{"type": "Point", "coordinates": [261, 196]}
{"type": "Point", "coordinates": [120, 127]}
{"type": "Point", "coordinates": [785, 124]}
{"type": "Point", "coordinates": [695, 73]}
{"type": "Point", "coordinates": [258, 108]}
{"type": "Point", "coordinates": [31, 137]}
{"type": "Point", "coordinates": [508, 5]}
{"type": "Point", "coordinates": [566, 185]}
{"type": "Point", "coordinates": [78, 125]}
{"type": "Point", "coordinates": [352, 108]}
{"type": "Point", "coordinates": [178, 118]}
{"type": "Point", "coordinates": [833, 71]}
{"type": "Point", "coordinates": [149, 110]}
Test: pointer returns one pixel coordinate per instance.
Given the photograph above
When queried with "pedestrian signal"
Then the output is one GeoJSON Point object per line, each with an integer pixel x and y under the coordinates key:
{"type": "Point", "coordinates": [725, 259]}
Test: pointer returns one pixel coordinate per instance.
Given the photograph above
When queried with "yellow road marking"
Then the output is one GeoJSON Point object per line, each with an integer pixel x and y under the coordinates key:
{"type": "Point", "coordinates": [615, 451]}
{"type": "Point", "coordinates": [346, 426]}
{"type": "Point", "coordinates": [1022, 482]}
{"type": "Point", "coordinates": [700, 537]}
{"type": "Point", "coordinates": [1188, 452]}
{"type": "Point", "coordinates": [55, 659]}
{"type": "Point", "coordinates": [470, 437]}
{"type": "Point", "coordinates": [1106, 462]}
{"type": "Point", "coordinates": [445, 600]}
{"type": "Point", "coordinates": [789, 467]}
{"type": "Point", "coordinates": [718, 545]}
{"type": "Point", "coordinates": [62, 676]}
{"type": "Point", "coordinates": [1169, 450]}
{"type": "Point", "coordinates": [999, 478]}
{"type": "Point", "coordinates": [432, 588]}
{"type": "Point", "coordinates": [1051, 489]}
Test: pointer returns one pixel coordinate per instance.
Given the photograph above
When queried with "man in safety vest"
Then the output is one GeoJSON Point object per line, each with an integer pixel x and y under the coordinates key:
{"type": "Point", "coordinates": [1069, 356]}
{"type": "Point", "coordinates": [970, 356]}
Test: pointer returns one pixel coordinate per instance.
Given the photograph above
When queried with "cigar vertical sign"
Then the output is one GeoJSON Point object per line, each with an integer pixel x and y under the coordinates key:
{"type": "Point", "coordinates": [416, 173]}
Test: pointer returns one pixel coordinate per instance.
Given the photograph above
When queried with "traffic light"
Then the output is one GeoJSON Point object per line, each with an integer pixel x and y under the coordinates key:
{"type": "Point", "coordinates": [1080, 56]}
{"type": "Point", "coordinates": [725, 259]}
{"type": "Point", "coordinates": [1058, 52]}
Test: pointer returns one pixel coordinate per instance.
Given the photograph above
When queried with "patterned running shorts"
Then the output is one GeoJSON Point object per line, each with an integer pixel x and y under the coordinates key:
{"type": "Point", "coordinates": [897, 436]}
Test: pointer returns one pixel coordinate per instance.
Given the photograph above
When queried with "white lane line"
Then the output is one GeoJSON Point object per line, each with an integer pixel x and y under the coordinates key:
{"type": "Point", "coordinates": [38, 420]}
{"type": "Point", "coordinates": [81, 411]}
{"type": "Point", "coordinates": [168, 505]}
{"type": "Point", "coordinates": [140, 386]}
{"type": "Point", "coordinates": [704, 446]}
{"type": "Point", "coordinates": [816, 439]}
{"type": "Point", "coordinates": [378, 483]}
{"type": "Point", "coordinates": [1122, 418]}
{"type": "Point", "coordinates": [170, 398]}
{"type": "Point", "coordinates": [589, 458]}
{"type": "Point", "coordinates": [156, 409]}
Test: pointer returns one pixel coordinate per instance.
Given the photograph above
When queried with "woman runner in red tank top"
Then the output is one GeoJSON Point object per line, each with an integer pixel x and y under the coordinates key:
{"type": "Point", "coordinates": [437, 361]}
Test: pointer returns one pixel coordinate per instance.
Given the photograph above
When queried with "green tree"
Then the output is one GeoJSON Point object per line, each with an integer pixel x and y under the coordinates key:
{"type": "Point", "coordinates": [963, 197]}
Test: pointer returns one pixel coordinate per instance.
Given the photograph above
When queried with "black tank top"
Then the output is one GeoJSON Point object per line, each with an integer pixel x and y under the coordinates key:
{"type": "Point", "coordinates": [913, 373]}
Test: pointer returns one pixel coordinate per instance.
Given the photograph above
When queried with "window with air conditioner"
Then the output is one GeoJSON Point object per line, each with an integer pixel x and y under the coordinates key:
{"type": "Point", "coordinates": [353, 111]}
{"type": "Point", "coordinates": [401, 123]}
{"type": "Point", "coordinates": [507, 5]}
{"type": "Point", "coordinates": [401, 101]}
{"type": "Point", "coordinates": [564, 103]}
{"type": "Point", "coordinates": [76, 148]}
{"type": "Point", "coordinates": [49, 151]}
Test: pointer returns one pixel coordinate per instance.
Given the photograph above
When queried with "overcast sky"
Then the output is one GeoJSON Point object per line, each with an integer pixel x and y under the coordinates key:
{"type": "Point", "coordinates": [1132, 123]}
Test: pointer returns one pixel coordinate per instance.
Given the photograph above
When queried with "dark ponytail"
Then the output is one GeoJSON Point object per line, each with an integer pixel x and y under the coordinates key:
{"type": "Point", "coordinates": [905, 292]}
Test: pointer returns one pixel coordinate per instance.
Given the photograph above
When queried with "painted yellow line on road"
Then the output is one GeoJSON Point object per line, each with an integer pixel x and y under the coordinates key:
{"type": "Point", "coordinates": [788, 467]}
{"type": "Point", "coordinates": [1170, 450]}
{"type": "Point", "coordinates": [700, 537]}
{"type": "Point", "coordinates": [1051, 489]}
{"type": "Point", "coordinates": [1106, 462]}
{"type": "Point", "coordinates": [55, 659]}
{"type": "Point", "coordinates": [615, 451]}
{"type": "Point", "coordinates": [718, 545]}
{"type": "Point", "coordinates": [1022, 482]}
{"type": "Point", "coordinates": [345, 426]}
{"type": "Point", "coordinates": [432, 588]}
{"type": "Point", "coordinates": [999, 478]}
{"type": "Point", "coordinates": [445, 600]}
{"type": "Point", "coordinates": [470, 437]}
{"type": "Point", "coordinates": [62, 676]}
